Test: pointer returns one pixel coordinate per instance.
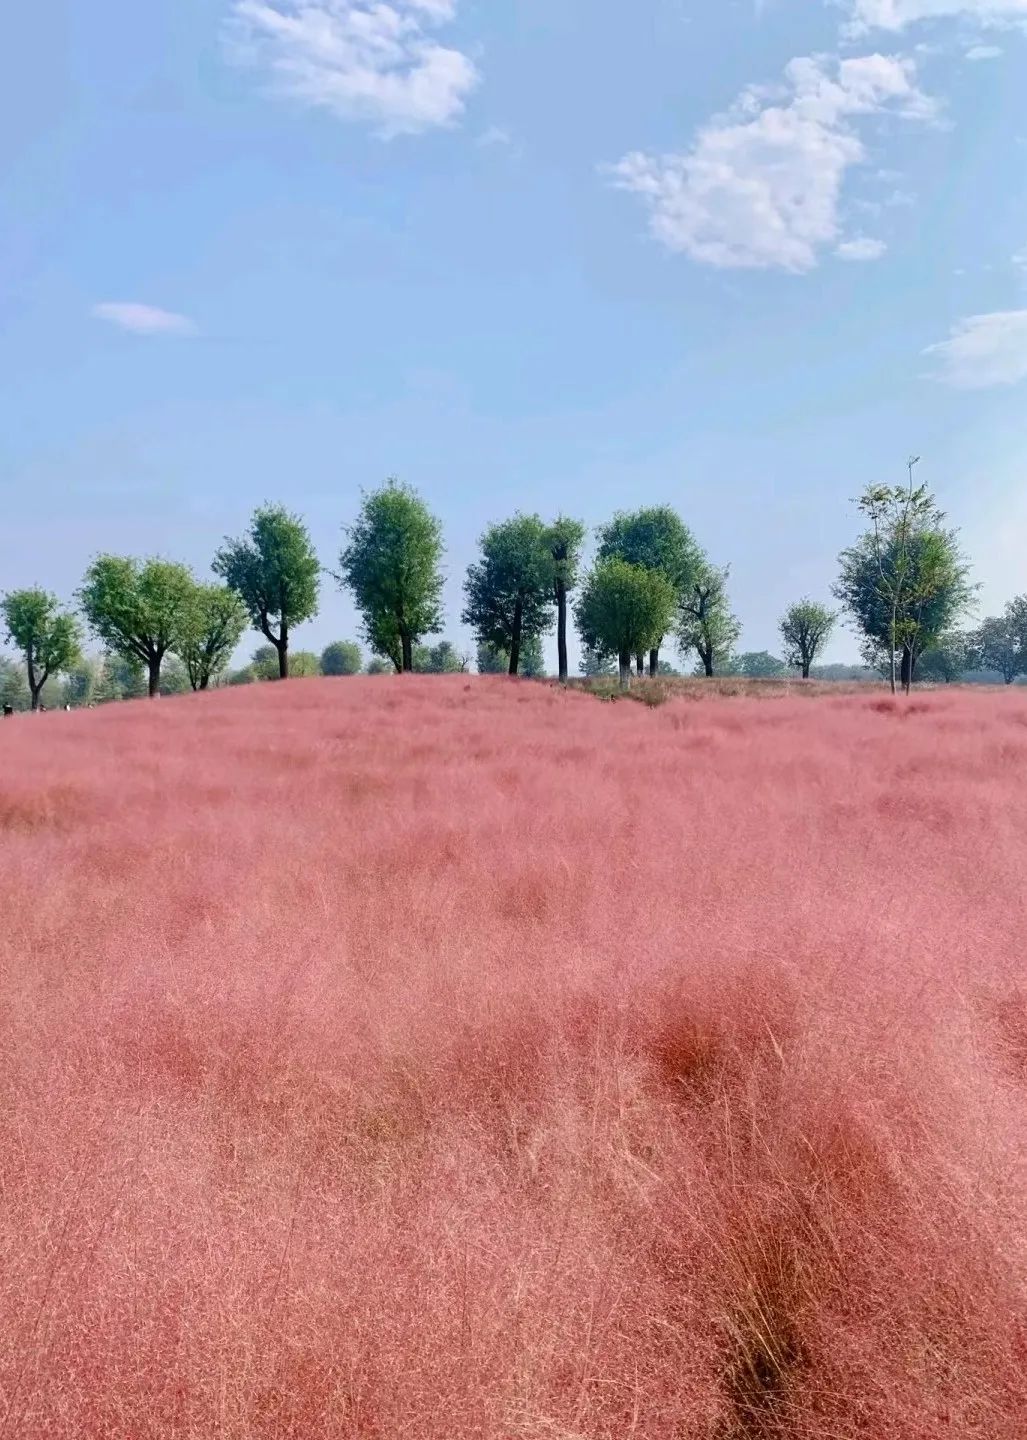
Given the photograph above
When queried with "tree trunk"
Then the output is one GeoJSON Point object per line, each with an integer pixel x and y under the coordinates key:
{"type": "Point", "coordinates": [894, 616]}
{"type": "Point", "coordinates": [515, 638]}
{"type": "Point", "coordinates": [625, 670]}
{"type": "Point", "coordinates": [204, 683]}
{"type": "Point", "coordinates": [34, 691]}
{"type": "Point", "coordinates": [908, 666]}
{"type": "Point", "coordinates": [707, 660]}
{"type": "Point", "coordinates": [640, 664]}
{"type": "Point", "coordinates": [805, 669]}
{"type": "Point", "coordinates": [561, 629]}
{"type": "Point", "coordinates": [282, 646]}
{"type": "Point", "coordinates": [407, 641]}
{"type": "Point", "coordinates": [154, 669]}
{"type": "Point", "coordinates": [654, 662]}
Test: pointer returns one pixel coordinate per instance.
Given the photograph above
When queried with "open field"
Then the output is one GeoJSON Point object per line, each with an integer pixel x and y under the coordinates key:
{"type": "Point", "coordinates": [432, 1059]}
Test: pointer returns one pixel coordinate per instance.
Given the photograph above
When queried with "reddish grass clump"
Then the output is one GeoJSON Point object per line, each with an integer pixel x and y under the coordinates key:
{"type": "Point", "coordinates": [473, 1061]}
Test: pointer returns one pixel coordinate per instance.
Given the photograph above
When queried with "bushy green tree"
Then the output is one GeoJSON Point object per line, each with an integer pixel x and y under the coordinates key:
{"type": "Point", "coordinates": [276, 573]}
{"type": "Point", "coordinates": [378, 666]}
{"type": "Point", "coordinates": [174, 677]}
{"type": "Point", "coordinates": [1000, 642]}
{"type": "Point", "coordinates": [759, 665]}
{"type": "Point", "coordinates": [440, 659]}
{"type": "Point", "coordinates": [656, 538]}
{"type": "Point", "coordinates": [47, 636]}
{"type": "Point", "coordinates": [564, 538]}
{"type": "Point", "coordinates": [706, 624]}
{"type": "Point", "coordinates": [304, 665]}
{"type": "Point", "coordinates": [14, 690]}
{"type": "Point", "coordinates": [623, 610]}
{"type": "Point", "coordinates": [594, 663]}
{"type": "Point", "coordinates": [508, 591]}
{"type": "Point", "coordinates": [492, 661]}
{"type": "Point", "coordinates": [137, 608]}
{"type": "Point", "coordinates": [264, 663]}
{"type": "Point", "coordinates": [243, 676]}
{"type": "Point", "coordinates": [392, 564]}
{"type": "Point", "coordinates": [341, 657]}
{"type": "Point", "coordinates": [806, 628]}
{"type": "Point", "coordinates": [212, 628]}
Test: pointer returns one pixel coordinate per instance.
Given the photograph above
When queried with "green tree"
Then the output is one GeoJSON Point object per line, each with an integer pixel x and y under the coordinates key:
{"type": "Point", "coordinates": [46, 635]}
{"type": "Point", "coordinates": [508, 591]}
{"type": "Point", "coordinates": [341, 657]}
{"type": "Point", "coordinates": [657, 539]}
{"type": "Point", "coordinates": [14, 690]}
{"type": "Point", "coordinates": [79, 684]}
{"type": "Point", "coordinates": [492, 661]}
{"type": "Point", "coordinates": [594, 663]}
{"type": "Point", "coordinates": [137, 608]}
{"type": "Point", "coordinates": [378, 666]}
{"type": "Point", "coordinates": [276, 573]}
{"type": "Point", "coordinates": [905, 582]}
{"type": "Point", "coordinates": [174, 678]}
{"type": "Point", "coordinates": [1000, 643]}
{"type": "Point", "coordinates": [242, 676]}
{"type": "Point", "coordinates": [623, 610]}
{"type": "Point", "coordinates": [564, 538]}
{"type": "Point", "coordinates": [440, 659]}
{"type": "Point", "coordinates": [947, 658]}
{"type": "Point", "coordinates": [760, 665]}
{"type": "Point", "coordinates": [212, 628]}
{"type": "Point", "coordinates": [706, 624]}
{"type": "Point", "coordinates": [304, 665]}
{"type": "Point", "coordinates": [264, 663]}
{"type": "Point", "coordinates": [806, 628]}
{"type": "Point", "coordinates": [392, 564]}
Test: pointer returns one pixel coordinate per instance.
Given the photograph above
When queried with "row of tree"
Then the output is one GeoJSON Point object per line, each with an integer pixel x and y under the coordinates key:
{"type": "Point", "coordinates": [903, 583]}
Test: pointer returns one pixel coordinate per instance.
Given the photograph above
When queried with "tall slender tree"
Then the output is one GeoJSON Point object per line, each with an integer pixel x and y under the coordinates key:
{"type": "Point", "coordinates": [656, 538]}
{"type": "Point", "coordinates": [508, 591]}
{"type": "Point", "coordinates": [211, 629]}
{"type": "Point", "coordinates": [565, 539]}
{"type": "Point", "coordinates": [392, 562]}
{"type": "Point", "coordinates": [706, 624]}
{"type": "Point", "coordinates": [46, 635]}
{"type": "Point", "coordinates": [276, 572]}
{"type": "Point", "coordinates": [137, 609]}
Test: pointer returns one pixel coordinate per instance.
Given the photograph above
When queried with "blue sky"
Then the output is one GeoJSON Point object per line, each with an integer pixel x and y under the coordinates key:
{"type": "Point", "coordinates": [546, 254]}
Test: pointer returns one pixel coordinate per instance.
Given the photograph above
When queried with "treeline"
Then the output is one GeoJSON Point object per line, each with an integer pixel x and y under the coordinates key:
{"type": "Point", "coordinates": [904, 585]}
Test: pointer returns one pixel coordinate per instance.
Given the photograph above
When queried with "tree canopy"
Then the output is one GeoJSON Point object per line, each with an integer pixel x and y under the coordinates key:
{"type": "Point", "coordinates": [508, 591]}
{"type": "Point", "coordinates": [276, 573]}
{"type": "Point", "coordinates": [623, 609]}
{"type": "Point", "coordinates": [392, 564]}
{"type": "Point", "coordinates": [490, 661]}
{"type": "Point", "coordinates": [137, 608]}
{"type": "Point", "coordinates": [212, 626]}
{"type": "Point", "coordinates": [1000, 642]}
{"type": "Point", "coordinates": [806, 628]}
{"type": "Point", "coordinates": [656, 538]}
{"type": "Point", "coordinates": [341, 657]}
{"type": "Point", "coordinates": [440, 659]}
{"type": "Point", "coordinates": [706, 624]}
{"type": "Point", "coordinates": [46, 635]}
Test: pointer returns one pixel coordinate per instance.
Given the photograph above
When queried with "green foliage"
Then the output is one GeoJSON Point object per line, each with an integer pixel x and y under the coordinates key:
{"type": "Point", "coordinates": [947, 658]}
{"type": "Point", "coordinates": [392, 564]}
{"type": "Point", "coordinates": [565, 538]}
{"type": "Point", "coordinates": [276, 574]}
{"type": "Point", "coordinates": [491, 661]}
{"type": "Point", "coordinates": [377, 666]}
{"type": "Point", "coordinates": [79, 683]}
{"type": "Point", "coordinates": [243, 676]}
{"type": "Point", "coordinates": [304, 665]}
{"type": "Point", "coordinates": [759, 665]}
{"type": "Point", "coordinates": [1000, 643]}
{"type": "Point", "coordinates": [137, 609]}
{"type": "Point", "coordinates": [47, 636]}
{"type": "Point", "coordinates": [174, 677]}
{"type": "Point", "coordinates": [341, 657]}
{"type": "Point", "coordinates": [656, 539]}
{"type": "Point", "coordinates": [118, 678]}
{"type": "Point", "coordinates": [212, 627]}
{"type": "Point", "coordinates": [14, 688]}
{"type": "Point", "coordinates": [441, 659]}
{"type": "Point", "coordinates": [806, 628]}
{"type": "Point", "coordinates": [624, 609]}
{"type": "Point", "coordinates": [264, 663]}
{"type": "Point", "coordinates": [706, 624]}
{"type": "Point", "coordinates": [508, 592]}
{"type": "Point", "coordinates": [924, 589]}
{"type": "Point", "coordinates": [594, 664]}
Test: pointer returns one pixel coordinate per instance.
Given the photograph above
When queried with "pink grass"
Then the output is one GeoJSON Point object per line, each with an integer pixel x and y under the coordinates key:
{"type": "Point", "coordinates": [446, 1059]}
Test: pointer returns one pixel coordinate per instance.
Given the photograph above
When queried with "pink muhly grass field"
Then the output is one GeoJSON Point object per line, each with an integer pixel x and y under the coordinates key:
{"type": "Point", "coordinates": [437, 1058]}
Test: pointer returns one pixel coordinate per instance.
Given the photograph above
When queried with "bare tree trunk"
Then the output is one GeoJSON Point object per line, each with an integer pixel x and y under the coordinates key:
{"type": "Point", "coordinates": [640, 664]}
{"type": "Point", "coordinates": [154, 668]}
{"type": "Point", "coordinates": [894, 615]}
{"type": "Point", "coordinates": [515, 638]}
{"type": "Point", "coordinates": [654, 662]}
{"type": "Point", "coordinates": [561, 629]}
{"type": "Point", "coordinates": [806, 668]}
{"type": "Point", "coordinates": [407, 642]}
{"type": "Point", "coordinates": [625, 670]}
{"type": "Point", "coordinates": [908, 666]}
{"type": "Point", "coordinates": [707, 660]}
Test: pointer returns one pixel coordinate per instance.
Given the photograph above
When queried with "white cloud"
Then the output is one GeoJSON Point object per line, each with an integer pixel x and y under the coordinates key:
{"type": "Point", "coordinates": [897, 14]}
{"type": "Point", "coordinates": [983, 351]}
{"type": "Point", "coordinates": [760, 187]}
{"type": "Point", "coordinates": [984, 52]}
{"type": "Point", "coordinates": [360, 59]}
{"type": "Point", "coordinates": [143, 319]}
{"type": "Point", "coordinates": [862, 248]}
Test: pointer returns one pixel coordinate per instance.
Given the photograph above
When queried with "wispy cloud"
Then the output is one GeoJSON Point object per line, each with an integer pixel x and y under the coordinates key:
{"type": "Point", "coordinates": [984, 351]}
{"type": "Point", "coordinates": [143, 319]}
{"type": "Point", "coordinates": [898, 14]}
{"type": "Point", "coordinates": [359, 59]}
{"type": "Point", "coordinates": [985, 52]}
{"type": "Point", "coordinates": [760, 187]}
{"type": "Point", "coordinates": [862, 248]}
